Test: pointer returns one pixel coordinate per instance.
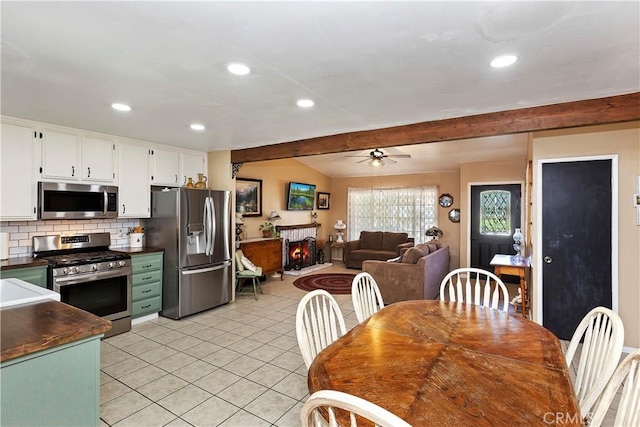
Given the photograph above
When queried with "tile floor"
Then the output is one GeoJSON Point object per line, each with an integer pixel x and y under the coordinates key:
{"type": "Point", "coordinates": [235, 365]}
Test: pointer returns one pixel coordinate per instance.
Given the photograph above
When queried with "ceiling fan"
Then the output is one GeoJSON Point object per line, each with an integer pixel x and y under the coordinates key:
{"type": "Point", "coordinates": [376, 158]}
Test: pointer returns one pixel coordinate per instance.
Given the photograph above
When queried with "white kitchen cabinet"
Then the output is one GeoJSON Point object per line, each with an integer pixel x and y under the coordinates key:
{"type": "Point", "coordinates": [98, 159]}
{"type": "Point", "coordinates": [192, 165]}
{"type": "Point", "coordinates": [134, 192]}
{"type": "Point", "coordinates": [165, 167]}
{"type": "Point", "coordinates": [67, 155]}
{"type": "Point", "coordinates": [60, 154]}
{"type": "Point", "coordinates": [18, 196]}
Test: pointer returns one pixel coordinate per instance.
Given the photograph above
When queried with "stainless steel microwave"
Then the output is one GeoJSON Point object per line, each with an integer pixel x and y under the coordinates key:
{"type": "Point", "coordinates": [76, 201]}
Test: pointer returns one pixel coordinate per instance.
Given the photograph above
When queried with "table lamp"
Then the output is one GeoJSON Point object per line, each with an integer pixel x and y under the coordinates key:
{"type": "Point", "coordinates": [339, 226]}
{"type": "Point", "coordinates": [433, 232]}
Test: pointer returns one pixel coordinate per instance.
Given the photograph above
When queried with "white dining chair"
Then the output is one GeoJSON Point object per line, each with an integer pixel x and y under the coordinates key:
{"type": "Point", "coordinates": [475, 286]}
{"type": "Point", "coordinates": [602, 334]}
{"type": "Point", "coordinates": [319, 322]}
{"type": "Point", "coordinates": [356, 406]}
{"type": "Point", "coordinates": [628, 411]}
{"type": "Point", "coordinates": [365, 296]}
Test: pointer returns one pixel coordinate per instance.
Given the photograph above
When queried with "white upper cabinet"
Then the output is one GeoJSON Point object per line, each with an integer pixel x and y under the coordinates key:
{"type": "Point", "coordinates": [98, 159]}
{"type": "Point", "coordinates": [68, 155]}
{"type": "Point", "coordinates": [134, 188]}
{"type": "Point", "coordinates": [18, 196]}
{"type": "Point", "coordinates": [192, 165]}
{"type": "Point", "coordinates": [60, 154]}
{"type": "Point", "coordinates": [165, 167]}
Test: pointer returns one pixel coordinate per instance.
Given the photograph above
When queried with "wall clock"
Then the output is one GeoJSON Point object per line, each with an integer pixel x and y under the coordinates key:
{"type": "Point", "coordinates": [445, 200]}
{"type": "Point", "coordinates": [454, 215]}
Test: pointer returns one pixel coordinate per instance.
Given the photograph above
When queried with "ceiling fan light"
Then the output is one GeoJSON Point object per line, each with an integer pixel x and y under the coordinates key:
{"type": "Point", "coordinates": [376, 162]}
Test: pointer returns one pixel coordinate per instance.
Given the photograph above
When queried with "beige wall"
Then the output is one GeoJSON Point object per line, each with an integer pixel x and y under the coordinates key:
{"type": "Point", "coordinates": [512, 172]}
{"type": "Point", "coordinates": [622, 140]}
{"type": "Point", "coordinates": [275, 175]}
{"type": "Point", "coordinates": [219, 171]}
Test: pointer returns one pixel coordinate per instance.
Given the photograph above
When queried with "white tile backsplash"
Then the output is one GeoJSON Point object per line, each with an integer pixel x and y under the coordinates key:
{"type": "Point", "coordinates": [21, 233]}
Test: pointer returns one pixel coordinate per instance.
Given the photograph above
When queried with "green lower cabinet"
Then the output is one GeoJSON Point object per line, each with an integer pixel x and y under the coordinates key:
{"type": "Point", "coordinates": [56, 387]}
{"type": "Point", "coordinates": [146, 284]}
{"type": "Point", "coordinates": [35, 275]}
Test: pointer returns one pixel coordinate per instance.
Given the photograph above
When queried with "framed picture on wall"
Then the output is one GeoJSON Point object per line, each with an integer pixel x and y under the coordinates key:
{"type": "Point", "coordinates": [323, 200]}
{"type": "Point", "coordinates": [249, 197]}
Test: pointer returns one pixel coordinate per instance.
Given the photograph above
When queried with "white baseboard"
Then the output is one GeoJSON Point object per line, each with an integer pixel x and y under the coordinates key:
{"type": "Point", "coordinates": [143, 319]}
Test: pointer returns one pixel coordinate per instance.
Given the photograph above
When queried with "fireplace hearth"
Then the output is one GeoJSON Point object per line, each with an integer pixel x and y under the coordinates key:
{"type": "Point", "coordinates": [300, 254]}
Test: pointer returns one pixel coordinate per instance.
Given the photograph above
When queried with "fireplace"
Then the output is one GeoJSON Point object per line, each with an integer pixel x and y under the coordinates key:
{"type": "Point", "coordinates": [300, 254]}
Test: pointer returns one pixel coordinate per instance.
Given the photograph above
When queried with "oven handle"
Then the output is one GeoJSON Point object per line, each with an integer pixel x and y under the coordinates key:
{"type": "Point", "coordinates": [72, 280]}
{"type": "Point", "coordinates": [206, 270]}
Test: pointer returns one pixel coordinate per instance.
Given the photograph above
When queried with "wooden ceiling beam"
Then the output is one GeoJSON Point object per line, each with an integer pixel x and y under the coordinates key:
{"type": "Point", "coordinates": [614, 109]}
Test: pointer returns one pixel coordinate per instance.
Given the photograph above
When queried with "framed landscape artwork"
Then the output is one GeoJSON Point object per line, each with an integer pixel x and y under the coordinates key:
{"type": "Point", "coordinates": [323, 200]}
{"type": "Point", "coordinates": [249, 197]}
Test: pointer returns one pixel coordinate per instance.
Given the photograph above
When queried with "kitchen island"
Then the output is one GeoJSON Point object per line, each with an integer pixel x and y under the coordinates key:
{"type": "Point", "coordinates": [50, 365]}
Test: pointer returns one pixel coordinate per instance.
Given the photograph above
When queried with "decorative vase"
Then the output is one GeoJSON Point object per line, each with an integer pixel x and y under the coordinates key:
{"type": "Point", "coordinates": [266, 233]}
{"type": "Point", "coordinates": [202, 181]}
{"type": "Point", "coordinates": [189, 182]}
{"type": "Point", "coordinates": [320, 256]}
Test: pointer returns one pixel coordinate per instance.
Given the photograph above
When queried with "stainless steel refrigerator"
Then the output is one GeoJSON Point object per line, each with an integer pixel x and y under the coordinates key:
{"type": "Point", "coordinates": [193, 226]}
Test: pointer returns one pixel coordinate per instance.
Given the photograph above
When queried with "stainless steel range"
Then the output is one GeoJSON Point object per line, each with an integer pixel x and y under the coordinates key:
{"type": "Point", "coordinates": [89, 276]}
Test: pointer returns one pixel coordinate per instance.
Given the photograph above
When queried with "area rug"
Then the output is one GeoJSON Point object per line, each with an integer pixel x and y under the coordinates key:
{"type": "Point", "coordinates": [334, 283]}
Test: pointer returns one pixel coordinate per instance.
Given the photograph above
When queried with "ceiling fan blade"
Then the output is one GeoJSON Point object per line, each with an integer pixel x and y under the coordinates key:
{"type": "Point", "coordinates": [363, 160]}
{"type": "Point", "coordinates": [390, 161]}
{"type": "Point", "coordinates": [353, 155]}
{"type": "Point", "coordinates": [400, 156]}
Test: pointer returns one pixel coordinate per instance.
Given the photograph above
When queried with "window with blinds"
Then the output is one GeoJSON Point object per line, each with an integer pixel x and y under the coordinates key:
{"type": "Point", "coordinates": [406, 209]}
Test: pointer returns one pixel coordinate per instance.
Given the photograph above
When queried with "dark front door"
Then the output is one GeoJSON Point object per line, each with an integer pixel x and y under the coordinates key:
{"type": "Point", "coordinates": [495, 214]}
{"type": "Point", "coordinates": [576, 242]}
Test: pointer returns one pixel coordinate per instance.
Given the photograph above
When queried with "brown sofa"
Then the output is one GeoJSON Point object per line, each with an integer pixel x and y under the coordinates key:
{"type": "Point", "coordinates": [380, 245]}
{"type": "Point", "coordinates": [416, 275]}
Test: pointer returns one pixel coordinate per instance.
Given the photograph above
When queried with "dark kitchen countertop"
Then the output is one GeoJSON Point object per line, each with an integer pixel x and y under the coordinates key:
{"type": "Point", "coordinates": [33, 327]}
{"type": "Point", "coordinates": [22, 262]}
{"type": "Point", "coordinates": [137, 251]}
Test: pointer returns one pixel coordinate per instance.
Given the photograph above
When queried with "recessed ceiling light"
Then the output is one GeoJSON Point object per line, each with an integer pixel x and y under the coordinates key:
{"type": "Point", "coordinates": [503, 61]}
{"type": "Point", "coordinates": [238, 69]}
{"type": "Point", "coordinates": [120, 107]}
{"type": "Point", "coordinates": [197, 126]}
{"type": "Point", "coordinates": [305, 103]}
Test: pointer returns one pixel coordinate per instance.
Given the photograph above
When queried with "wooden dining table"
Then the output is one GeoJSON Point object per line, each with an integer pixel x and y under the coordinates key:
{"type": "Point", "coordinates": [435, 363]}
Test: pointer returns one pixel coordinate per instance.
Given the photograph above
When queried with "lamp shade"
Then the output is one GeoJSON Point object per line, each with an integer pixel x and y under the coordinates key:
{"type": "Point", "coordinates": [434, 232]}
{"type": "Point", "coordinates": [339, 225]}
{"type": "Point", "coordinates": [273, 216]}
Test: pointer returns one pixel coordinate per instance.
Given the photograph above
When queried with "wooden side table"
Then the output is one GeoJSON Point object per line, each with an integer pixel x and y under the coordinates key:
{"type": "Point", "coordinates": [516, 266]}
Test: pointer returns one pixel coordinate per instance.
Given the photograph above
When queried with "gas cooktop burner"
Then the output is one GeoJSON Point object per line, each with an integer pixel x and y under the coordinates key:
{"type": "Point", "coordinates": [81, 258]}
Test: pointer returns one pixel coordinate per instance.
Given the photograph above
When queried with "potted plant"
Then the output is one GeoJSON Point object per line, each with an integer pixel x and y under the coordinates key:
{"type": "Point", "coordinates": [267, 229]}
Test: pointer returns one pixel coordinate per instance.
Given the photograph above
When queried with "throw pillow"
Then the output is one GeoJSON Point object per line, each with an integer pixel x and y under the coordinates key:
{"type": "Point", "coordinates": [432, 246]}
{"type": "Point", "coordinates": [248, 264]}
{"type": "Point", "coordinates": [396, 259]}
{"type": "Point", "coordinates": [412, 256]}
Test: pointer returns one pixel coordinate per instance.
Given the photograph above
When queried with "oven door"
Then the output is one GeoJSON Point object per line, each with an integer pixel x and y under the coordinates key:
{"type": "Point", "coordinates": [105, 294]}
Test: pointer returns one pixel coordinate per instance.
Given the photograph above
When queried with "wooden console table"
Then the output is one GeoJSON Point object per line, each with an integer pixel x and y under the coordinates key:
{"type": "Point", "coordinates": [265, 253]}
{"type": "Point", "coordinates": [512, 265]}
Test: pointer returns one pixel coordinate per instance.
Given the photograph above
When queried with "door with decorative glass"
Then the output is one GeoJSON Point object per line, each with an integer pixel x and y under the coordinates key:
{"type": "Point", "coordinates": [495, 214]}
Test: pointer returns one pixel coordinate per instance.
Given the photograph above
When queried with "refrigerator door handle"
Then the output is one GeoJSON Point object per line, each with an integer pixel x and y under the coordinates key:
{"type": "Point", "coordinates": [206, 270]}
{"type": "Point", "coordinates": [205, 223]}
{"type": "Point", "coordinates": [212, 224]}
